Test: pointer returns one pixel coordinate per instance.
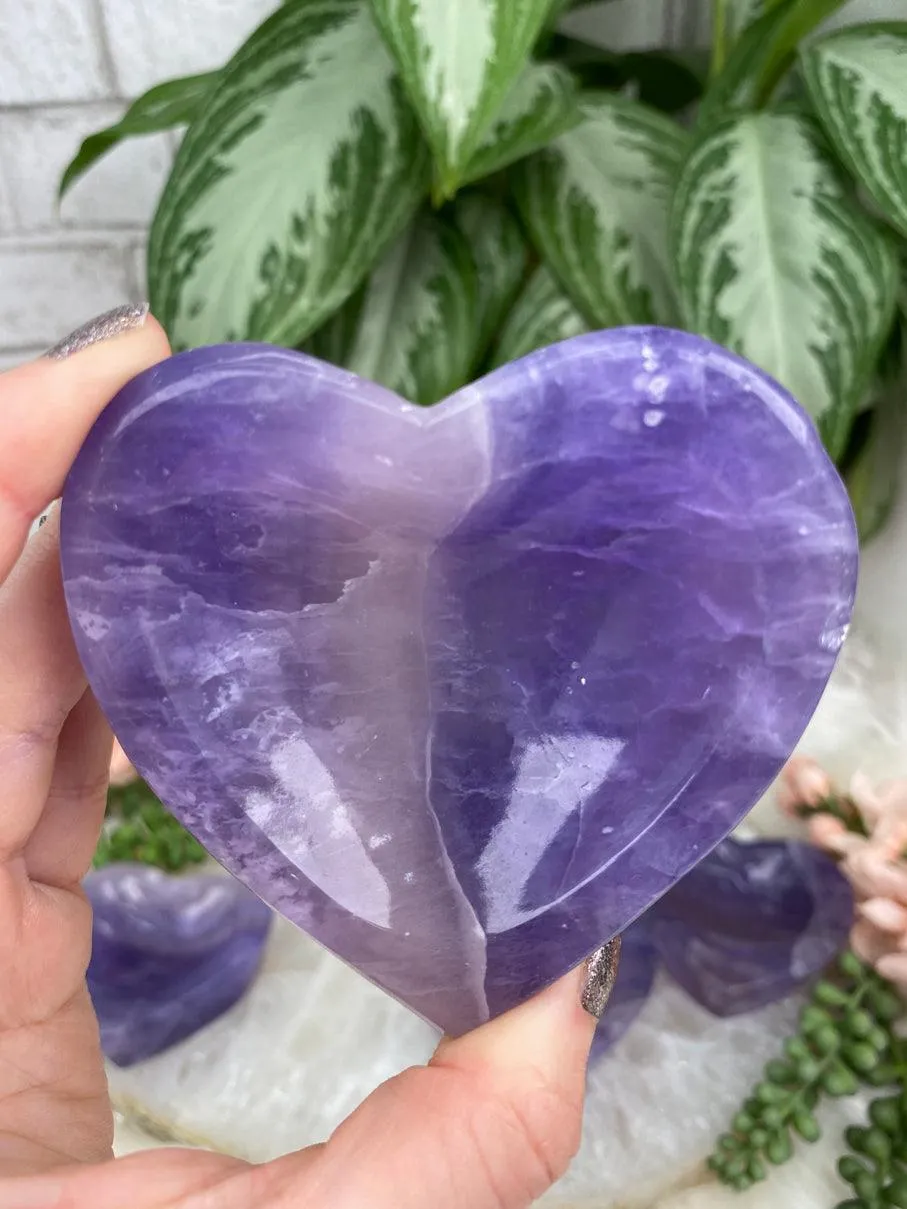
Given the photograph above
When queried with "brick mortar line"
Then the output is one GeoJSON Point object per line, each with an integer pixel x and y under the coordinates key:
{"type": "Point", "coordinates": [67, 228]}
{"type": "Point", "coordinates": [68, 241]}
{"type": "Point", "coordinates": [108, 59]}
{"type": "Point", "coordinates": [63, 107]}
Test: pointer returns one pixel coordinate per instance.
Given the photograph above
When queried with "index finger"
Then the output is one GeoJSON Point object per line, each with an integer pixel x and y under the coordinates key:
{"type": "Point", "coordinates": [48, 406]}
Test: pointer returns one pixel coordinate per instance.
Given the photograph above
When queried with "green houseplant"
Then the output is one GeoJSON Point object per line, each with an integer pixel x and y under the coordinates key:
{"type": "Point", "coordinates": [420, 192]}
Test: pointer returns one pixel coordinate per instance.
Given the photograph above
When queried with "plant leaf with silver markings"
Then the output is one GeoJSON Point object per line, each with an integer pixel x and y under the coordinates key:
{"type": "Point", "coordinates": [776, 262]}
{"type": "Point", "coordinates": [596, 204]}
{"type": "Point", "coordinates": [874, 477]}
{"type": "Point", "coordinates": [418, 330]}
{"type": "Point", "coordinates": [459, 60]}
{"type": "Point", "coordinates": [500, 254]}
{"type": "Point", "coordinates": [542, 315]}
{"type": "Point", "coordinates": [304, 165]}
{"type": "Point", "coordinates": [540, 106]}
{"type": "Point", "coordinates": [857, 80]}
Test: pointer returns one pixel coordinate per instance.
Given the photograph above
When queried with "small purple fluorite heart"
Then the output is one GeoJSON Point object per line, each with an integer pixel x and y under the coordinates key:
{"type": "Point", "coordinates": [752, 923]}
{"type": "Point", "coordinates": [748, 926]}
{"type": "Point", "coordinates": [169, 955]}
{"type": "Point", "coordinates": [460, 691]}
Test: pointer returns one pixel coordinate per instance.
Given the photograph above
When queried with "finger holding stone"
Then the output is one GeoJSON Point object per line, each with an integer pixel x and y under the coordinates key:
{"type": "Point", "coordinates": [490, 1123]}
{"type": "Point", "coordinates": [49, 405]}
{"type": "Point", "coordinates": [41, 681]}
{"type": "Point", "coordinates": [60, 850]}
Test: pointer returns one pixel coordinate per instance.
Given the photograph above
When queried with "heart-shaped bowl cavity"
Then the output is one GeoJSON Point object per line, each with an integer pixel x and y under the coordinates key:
{"type": "Point", "coordinates": [462, 690]}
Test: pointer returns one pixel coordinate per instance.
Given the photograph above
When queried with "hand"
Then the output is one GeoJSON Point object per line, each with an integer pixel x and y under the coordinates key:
{"type": "Point", "coordinates": [490, 1123]}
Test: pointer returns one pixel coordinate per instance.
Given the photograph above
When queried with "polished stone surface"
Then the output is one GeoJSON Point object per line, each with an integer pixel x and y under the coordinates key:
{"type": "Point", "coordinates": [460, 691]}
{"type": "Point", "coordinates": [169, 955]}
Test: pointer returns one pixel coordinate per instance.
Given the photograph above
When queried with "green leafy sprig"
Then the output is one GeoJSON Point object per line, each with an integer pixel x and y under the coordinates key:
{"type": "Point", "coordinates": [844, 1038]}
{"type": "Point", "coordinates": [140, 829]}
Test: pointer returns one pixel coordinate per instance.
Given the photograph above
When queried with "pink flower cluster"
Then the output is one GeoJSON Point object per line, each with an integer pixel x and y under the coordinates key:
{"type": "Point", "coordinates": [871, 848]}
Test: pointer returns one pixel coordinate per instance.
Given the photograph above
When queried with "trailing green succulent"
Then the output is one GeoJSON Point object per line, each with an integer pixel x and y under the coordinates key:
{"type": "Point", "coordinates": [138, 828]}
{"type": "Point", "coordinates": [845, 1038]}
{"type": "Point", "coordinates": [876, 1167]}
{"type": "Point", "coordinates": [850, 1036]}
{"type": "Point", "coordinates": [421, 191]}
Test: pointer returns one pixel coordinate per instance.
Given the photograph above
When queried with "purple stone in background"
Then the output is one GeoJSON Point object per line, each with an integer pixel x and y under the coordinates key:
{"type": "Point", "coordinates": [748, 926]}
{"type": "Point", "coordinates": [752, 923]}
{"type": "Point", "coordinates": [463, 690]}
{"type": "Point", "coordinates": [169, 955]}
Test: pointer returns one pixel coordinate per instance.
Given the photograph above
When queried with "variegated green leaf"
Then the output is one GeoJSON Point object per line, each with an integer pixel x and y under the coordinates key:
{"type": "Point", "coordinates": [857, 79]}
{"type": "Point", "coordinates": [459, 60]}
{"type": "Point", "coordinates": [542, 315]}
{"type": "Point", "coordinates": [596, 204]}
{"type": "Point", "coordinates": [164, 107]}
{"type": "Point", "coordinates": [418, 333]}
{"type": "Point", "coordinates": [540, 106]}
{"type": "Point", "coordinates": [873, 478]}
{"type": "Point", "coordinates": [775, 262]}
{"type": "Point", "coordinates": [500, 255]}
{"type": "Point", "coordinates": [304, 165]}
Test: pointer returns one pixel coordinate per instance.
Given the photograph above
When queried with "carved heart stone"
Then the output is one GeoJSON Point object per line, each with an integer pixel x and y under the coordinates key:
{"type": "Point", "coordinates": [168, 955]}
{"type": "Point", "coordinates": [753, 922]}
{"type": "Point", "coordinates": [460, 691]}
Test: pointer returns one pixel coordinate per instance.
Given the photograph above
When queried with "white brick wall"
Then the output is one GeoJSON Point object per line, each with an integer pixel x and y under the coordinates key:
{"type": "Point", "coordinates": [52, 50]}
{"type": "Point", "coordinates": [67, 68]}
{"type": "Point", "coordinates": [70, 66]}
{"type": "Point", "coordinates": [151, 40]}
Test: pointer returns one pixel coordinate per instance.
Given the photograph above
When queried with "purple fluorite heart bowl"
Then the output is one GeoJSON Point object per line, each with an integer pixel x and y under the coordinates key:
{"type": "Point", "coordinates": [461, 691]}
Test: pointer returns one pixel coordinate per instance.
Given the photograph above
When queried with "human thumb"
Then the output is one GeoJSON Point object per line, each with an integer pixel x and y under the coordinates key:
{"type": "Point", "coordinates": [490, 1123]}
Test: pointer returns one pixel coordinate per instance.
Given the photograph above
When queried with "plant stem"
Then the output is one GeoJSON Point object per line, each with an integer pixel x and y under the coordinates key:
{"type": "Point", "coordinates": [844, 1037]}
{"type": "Point", "coordinates": [841, 808]}
{"type": "Point", "coordinates": [799, 1096]}
{"type": "Point", "coordinates": [719, 37]}
{"type": "Point", "coordinates": [801, 19]}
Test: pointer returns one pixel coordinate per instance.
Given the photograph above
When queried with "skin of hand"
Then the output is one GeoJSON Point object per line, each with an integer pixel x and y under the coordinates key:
{"type": "Point", "coordinates": [490, 1123]}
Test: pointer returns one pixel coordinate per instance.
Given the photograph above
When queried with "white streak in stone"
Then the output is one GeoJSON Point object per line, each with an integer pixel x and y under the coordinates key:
{"type": "Point", "coordinates": [305, 818]}
{"type": "Point", "coordinates": [94, 625]}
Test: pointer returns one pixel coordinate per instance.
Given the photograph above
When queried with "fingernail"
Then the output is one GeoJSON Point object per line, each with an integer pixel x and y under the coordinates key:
{"type": "Point", "coordinates": [104, 327]}
{"type": "Point", "coordinates": [30, 1194]}
{"type": "Point", "coordinates": [601, 974]}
